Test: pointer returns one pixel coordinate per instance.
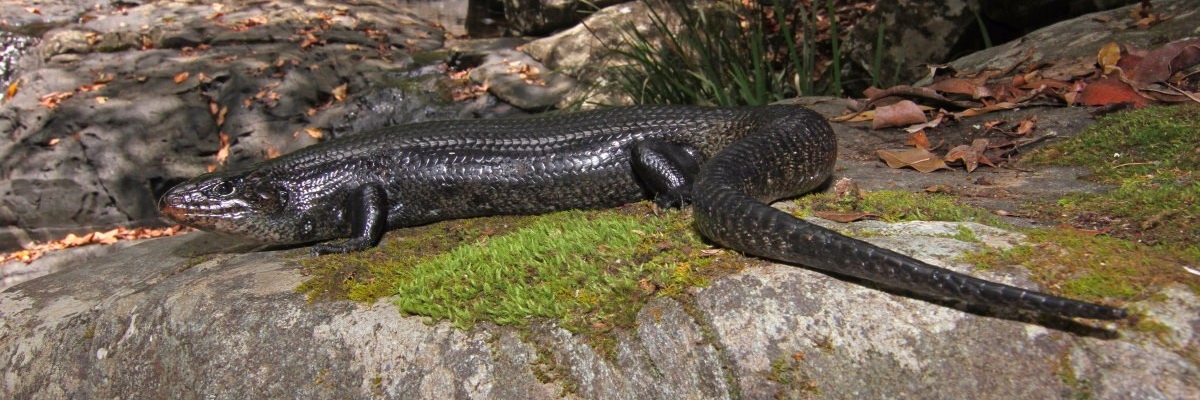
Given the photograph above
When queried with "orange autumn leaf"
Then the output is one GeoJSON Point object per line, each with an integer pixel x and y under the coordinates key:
{"type": "Point", "coordinates": [1108, 91]}
{"type": "Point", "coordinates": [12, 90]}
{"type": "Point", "coordinates": [180, 77]}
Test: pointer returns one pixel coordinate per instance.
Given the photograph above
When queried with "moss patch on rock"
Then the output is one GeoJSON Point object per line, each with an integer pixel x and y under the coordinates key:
{"type": "Point", "coordinates": [589, 270]}
{"type": "Point", "coordinates": [1152, 158]}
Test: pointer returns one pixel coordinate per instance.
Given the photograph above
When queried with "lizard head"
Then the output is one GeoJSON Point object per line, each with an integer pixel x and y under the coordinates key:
{"type": "Point", "coordinates": [237, 203]}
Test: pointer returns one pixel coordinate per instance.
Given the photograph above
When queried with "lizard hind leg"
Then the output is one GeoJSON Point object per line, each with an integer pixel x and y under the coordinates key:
{"type": "Point", "coordinates": [667, 170]}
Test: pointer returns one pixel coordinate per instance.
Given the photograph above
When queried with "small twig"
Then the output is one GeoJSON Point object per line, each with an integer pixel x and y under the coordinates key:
{"type": "Point", "coordinates": [1184, 92]}
{"type": "Point", "coordinates": [1133, 164]}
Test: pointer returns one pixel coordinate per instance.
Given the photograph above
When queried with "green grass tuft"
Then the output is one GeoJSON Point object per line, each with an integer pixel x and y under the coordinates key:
{"type": "Point", "coordinates": [724, 54]}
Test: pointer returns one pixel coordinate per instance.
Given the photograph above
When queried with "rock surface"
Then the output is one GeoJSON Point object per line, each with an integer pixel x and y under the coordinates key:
{"type": "Point", "coordinates": [200, 316]}
{"type": "Point", "coordinates": [1077, 41]}
{"type": "Point", "coordinates": [130, 100]}
{"type": "Point", "coordinates": [541, 17]}
{"type": "Point", "coordinates": [158, 321]}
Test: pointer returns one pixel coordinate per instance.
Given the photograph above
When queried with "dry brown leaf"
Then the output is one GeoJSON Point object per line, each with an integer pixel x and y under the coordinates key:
{"type": "Point", "coordinates": [918, 140]}
{"type": "Point", "coordinates": [314, 133]}
{"type": "Point", "coordinates": [902, 113]}
{"type": "Point", "coordinates": [971, 112]}
{"type": "Point", "coordinates": [971, 155]}
{"type": "Point", "coordinates": [223, 152]}
{"type": "Point", "coordinates": [961, 86]}
{"type": "Point", "coordinates": [221, 115]}
{"type": "Point", "coordinates": [72, 240]}
{"type": "Point", "coordinates": [933, 123]}
{"type": "Point", "coordinates": [101, 99]}
{"type": "Point", "coordinates": [339, 93]}
{"type": "Point", "coordinates": [309, 41]}
{"type": "Point", "coordinates": [12, 90]}
{"type": "Point", "coordinates": [52, 141]}
{"type": "Point", "coordinates": [1108, 57]}
{"type": "Point", "coordinates": [91, 87]}
{"type": "Point", "coordinates": [52, 100]}
{"type": "Point", "coordinates": [180, 77]}
{"type": "Point", "coordinates": [918, 159]}
{"type": "Point", "coordinates": [1110, 90]}
{"type": "Point", "coordinates": [855, 117]}
{"type": "Point", "coordinates": [1026, 126]}
{"type": "Point", "coordinates": [1157, 65]}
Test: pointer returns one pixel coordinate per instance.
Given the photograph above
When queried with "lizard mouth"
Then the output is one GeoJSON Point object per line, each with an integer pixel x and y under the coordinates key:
{"type": "Point", "coordinates": [187, 207]}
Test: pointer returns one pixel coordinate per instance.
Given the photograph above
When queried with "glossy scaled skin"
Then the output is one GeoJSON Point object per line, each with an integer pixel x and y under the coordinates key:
{"type": "Point", "coordinates": [729, 162]}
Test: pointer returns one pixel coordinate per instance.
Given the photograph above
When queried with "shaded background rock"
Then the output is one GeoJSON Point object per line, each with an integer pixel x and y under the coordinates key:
{"type": "Point", "coordinates": [1079, 40]}
{"type": "Point", "coordinates": [543, 17]}
{"type": "Point", "coordinates": [918, 33]}
{"type": "Point", "coordinates": [519, 80]}
{"type": "Point", "coordinates": [144, 92]}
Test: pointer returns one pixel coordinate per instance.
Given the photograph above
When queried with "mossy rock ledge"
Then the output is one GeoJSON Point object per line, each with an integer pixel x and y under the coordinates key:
{"type": "Point", "coordinates": [153, 321]}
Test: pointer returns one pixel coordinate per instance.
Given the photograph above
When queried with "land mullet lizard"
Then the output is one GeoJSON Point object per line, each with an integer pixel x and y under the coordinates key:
{"type": "Point", "coordinates": [729, 163]}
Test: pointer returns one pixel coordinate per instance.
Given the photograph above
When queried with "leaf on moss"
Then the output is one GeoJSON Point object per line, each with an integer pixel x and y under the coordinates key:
{"type": "Point", "coordinates": [1108, 91]}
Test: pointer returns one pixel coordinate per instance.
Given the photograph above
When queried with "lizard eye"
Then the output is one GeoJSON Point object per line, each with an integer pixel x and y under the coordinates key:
{"type": "Point", "coordinates": [224, 189]}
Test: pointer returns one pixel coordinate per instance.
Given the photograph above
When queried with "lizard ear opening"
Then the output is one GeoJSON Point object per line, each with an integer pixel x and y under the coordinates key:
{"type": "Point", "coordinates": [269, 197]}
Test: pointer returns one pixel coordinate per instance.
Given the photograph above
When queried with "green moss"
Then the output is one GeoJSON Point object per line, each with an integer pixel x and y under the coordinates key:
{"type": "Point", "coordinates": [1089, 267]}
{"type": "Point", "coordinates": [1081, 388]}
{"type": "Point", "coordinates": [590, 270]}
{"type": "Point", "coordinates": [965, 234]}
{"type": "Point", "coordinates": [896, 206]}
{"type": "Point", "coordinates": [788, 371]}
{"type": "Point", "coordinates": [1160, 330]}
{"type": "Point", "coordinates": [1150, 157]}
